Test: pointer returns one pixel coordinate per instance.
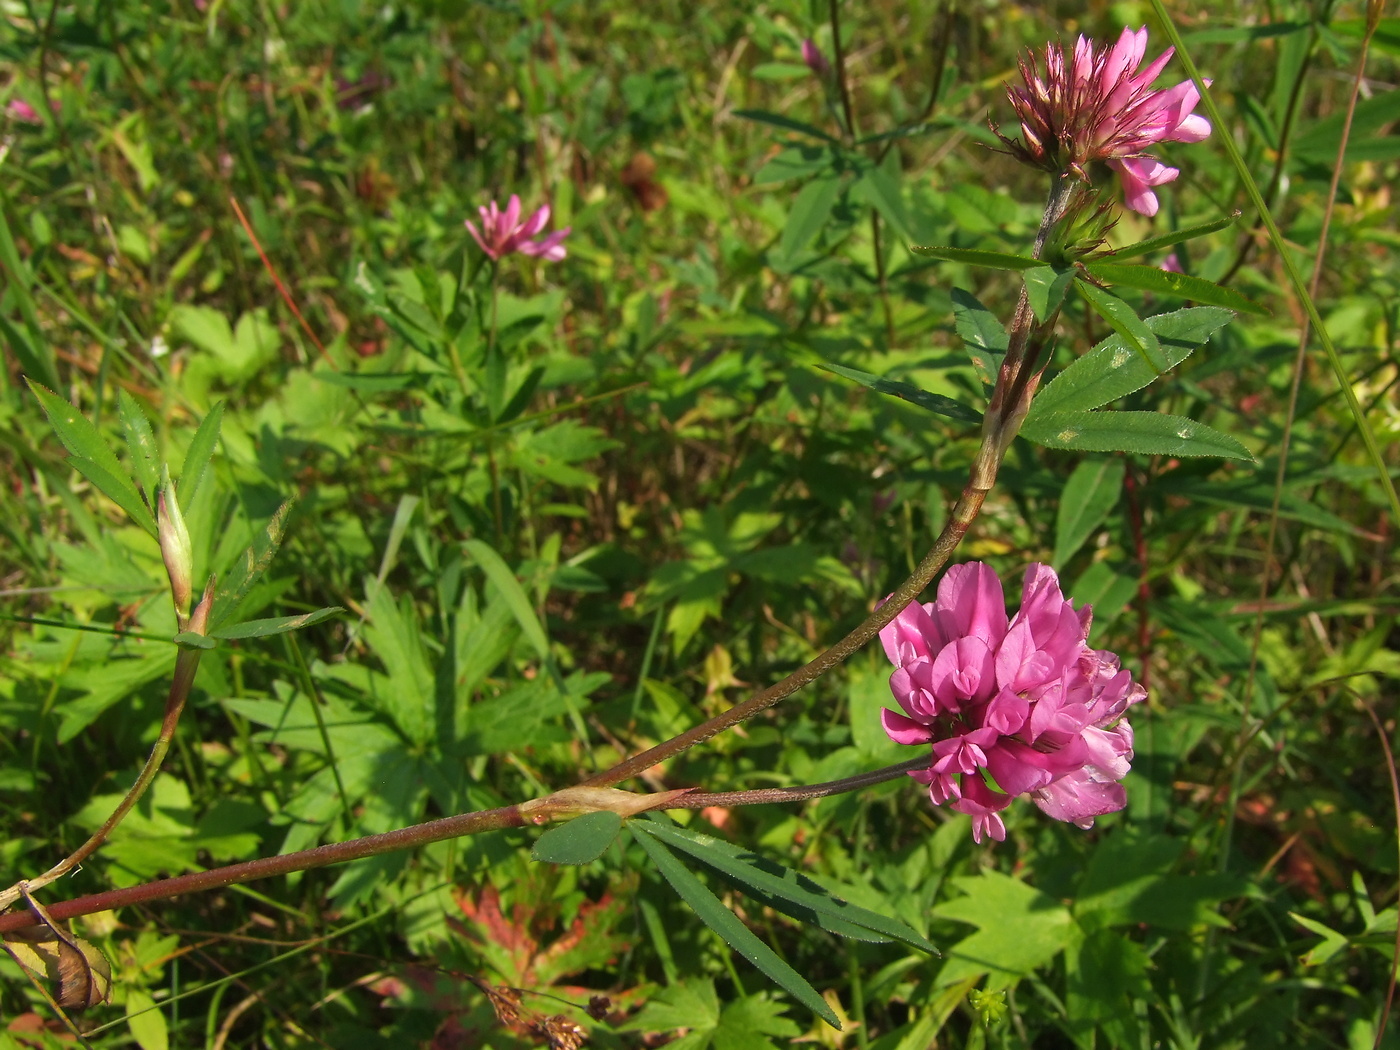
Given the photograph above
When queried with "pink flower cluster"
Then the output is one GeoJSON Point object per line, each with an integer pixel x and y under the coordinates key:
{"type": "Point", "coordinates": [1024, 701]}
{"type": "Point", "coordinates": [503, 232]}
{"type": "Point", "coordinates": [1096, 106]}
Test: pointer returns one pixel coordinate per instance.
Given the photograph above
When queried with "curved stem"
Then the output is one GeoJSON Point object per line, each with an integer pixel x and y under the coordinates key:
{"type": "Point", "coordinates": [186, 664]}
{"type": "Point", "coordinates": [267, 867]}
{"type": "Point", "coordinates": [983, 474]}
{"type": "Point", "coordinates": [705, 799]}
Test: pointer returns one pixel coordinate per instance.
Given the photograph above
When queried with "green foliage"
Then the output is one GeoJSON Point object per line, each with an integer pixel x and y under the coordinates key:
{"type": "Point", "coordinates": [527, 516]}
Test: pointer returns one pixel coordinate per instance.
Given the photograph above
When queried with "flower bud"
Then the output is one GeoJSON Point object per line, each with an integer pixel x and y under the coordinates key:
{"type": "Point", "coordinates": [175, 547]}
{"type": "Point", "coordinates": [816, 61]}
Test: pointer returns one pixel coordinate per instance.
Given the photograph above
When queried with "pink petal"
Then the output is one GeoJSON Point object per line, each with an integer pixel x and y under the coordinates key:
{"type": "Point", "coordinates": [964, 670]}
{"type": "Point", "coordinates": [1078, 799]}
{"type": "Point", "coordinates": [903, 730]}
{"type": "Point", "coordinates": [479, 240]}
{"type": "Point", "coordinates": [970, 602]}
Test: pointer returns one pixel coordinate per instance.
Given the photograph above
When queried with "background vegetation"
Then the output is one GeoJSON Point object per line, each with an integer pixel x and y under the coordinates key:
{"type": "Point", "coordinates": [693, 507]}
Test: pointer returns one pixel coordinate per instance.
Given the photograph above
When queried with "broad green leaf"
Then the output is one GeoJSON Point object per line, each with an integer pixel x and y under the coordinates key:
{"type": "Point", "coordinates": [250, 568]}
{"type": "Point", "coordinates": [1045, 289]}
{"type": "Point", "coordinates": [1111, 370]}
{"type": "Point", "coordinates": [879, 187]}
{"type": "Point", "coordinates": [375, 382]}
{"type": "Point", "coordinates": [976, 257]}
{"type": "Point", "coordinates": [1180, 285]}
{"type": "Point", "coordinates": [504, 580]}
{"type": "Point", "coordinates": [140, 444]}
{"type": "Point", "coordinates": [92, 457]}
{"type": "Point", "coordinates": [984, 337]}
{"type": "Point", "coordinates": [795, 162]}
{"type": "Point", "coordinates": [1145, 433]}
{"type": "Point", "coordinates": [1166, 240]}
{"type": "Point", "coordinates": [1089, 496]}
{"type": "Point", "coordinates": [789, 891]}
{"type": "Point", "coordinates": [276, 624]}
{"type": "Point", "coordinates": [1318, 143]}
{"type": "Point", "coordinates": [201, 450]}
{"type": "Point", "coordinates": [777, 120]}
{"type": "Point", "coordinates": [943, 406]}
{"type": "Point", "coordinates": [146, 1021]}
{"type": "Point", "coordinates": [809, 213]}
{"type": "Point", "coordinates": [1124, 320]}
{"type": "Point", "coordinates": [723, 921]}
{"type": "Point", "coordinates": [1020, 929]}
{"type": "Point", "coordinates": [685, 1004]}
{"type": "Point", "coordinates": [580, 841]}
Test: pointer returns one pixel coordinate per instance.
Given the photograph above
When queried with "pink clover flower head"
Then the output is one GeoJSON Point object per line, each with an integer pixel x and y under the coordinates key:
{"type": "Point", "coordinates": [1096, 106]}
{"type": "Point", "coordinates": [1010, 706]}
{"type": "Point", "coordinates": [816, 61]}
{"type": "Point", "coordinates": [503, 232]}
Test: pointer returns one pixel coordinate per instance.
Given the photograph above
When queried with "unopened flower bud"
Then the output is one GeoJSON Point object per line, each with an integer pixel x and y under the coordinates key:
{"type": "Point", "coordinates": [816, 61]}
{"type": "Point", "coordinates": [175, 547]}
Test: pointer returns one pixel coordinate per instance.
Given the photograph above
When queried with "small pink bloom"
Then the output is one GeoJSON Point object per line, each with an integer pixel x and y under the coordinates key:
{"type": "Point", "coordinates": [503, 232]}
{"type": "Point", "coordinates": [1098, 107]}
{"type": "Point", "coordinates": [816, 61]}
{"type": "Point", "coordinates": [1024, 699]}
{"type": "Point", "coordinates": [23, 111]}
{"type": "Point", "coordinates": [1172, 264]}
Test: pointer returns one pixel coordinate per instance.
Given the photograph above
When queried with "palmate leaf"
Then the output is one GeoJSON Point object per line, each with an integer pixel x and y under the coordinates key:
{"type": "Point", "coordinates": [724, 922]}
{"type": "Point", "coordinates": [937, 403]}
{"type": "Point", "coordinates": [789, 891]}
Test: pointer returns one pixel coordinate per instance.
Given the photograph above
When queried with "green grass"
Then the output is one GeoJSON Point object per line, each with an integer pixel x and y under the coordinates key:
{"type": "Point", "coordinates": [692, 507]}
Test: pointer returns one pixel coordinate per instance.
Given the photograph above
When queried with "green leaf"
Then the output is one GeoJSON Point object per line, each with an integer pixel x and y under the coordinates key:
{"type": "Point", "coordinates": [777, 120]}
{"type": "Point", "coordinates": [504, 579]}
{"type": "Point", "coordinates": [1045, 288]}
{"type": "Point", "coordinates": [720, 919]}
{"type": "Point", "coordinates": [275, 624]}
{"type": "Point", "coordinates": [975, 257]}
{"type": "Point", "coordinates": [146, 1021]}
{"type": "Point", "coordinates": [984, 337]}
{"type": "Point", "coordinates": [1111, 370]}
{"type": "Point", "coordinates": [1089, 496]}
{"type": "Point", "coordinates": [195, 640]}
{"type": "Point", "coordinates": [1181, 285]}
{"type": "Point", "coordinates": [809, 213]}
{"type": "Point", "coordinates": [201, 450]}
{"type": "Point", "coordinates": [1145, 433]}
{"type": "Point", "coordinates": [1020, 929]}
{"type": "Point", "coordinates": [118, 489]}
{"type": "Point", "coordinates": [788, 891]}
{"type": "Point", "coordinates": [580, 841]}
{"type": "Point", "coordinates": [1166, 240]}
{"type": "Point", "coordinates": [937, 403]}
{"type": "Point", "coordinates": [140, 444]}
{"type": "Point", "coordinates": [250, 568]}
{"type": "Point", "coordinates": [879, 187]}
{"type": "Point", "coordinates": [33, 351]}
{"type": "Point", "coordinates": [92, 457]}
{"type": "Point", "coordinates": [1124, 320]}
{"type": "Point", "coordinates": [1332, 941]}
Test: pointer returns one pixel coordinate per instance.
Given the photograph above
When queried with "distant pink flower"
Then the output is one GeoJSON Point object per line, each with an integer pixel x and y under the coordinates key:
{"type": "Point", "coordinates": [1171, 264]}
{"type": "Point", "coordinates": [502, 232]}
{"type": "Point", "coordinates": [23, 111]}
{"type": "Point", "coordinates": [1024, 700]}
{"type": "Point", "coordinates": [816, 61]}
{"type": "Point", "coordinates": [1094, 107]}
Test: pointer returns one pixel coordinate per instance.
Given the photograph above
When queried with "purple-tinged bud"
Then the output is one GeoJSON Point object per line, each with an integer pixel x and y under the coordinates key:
{"type": "Point", "coordinates": [816, 61]}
